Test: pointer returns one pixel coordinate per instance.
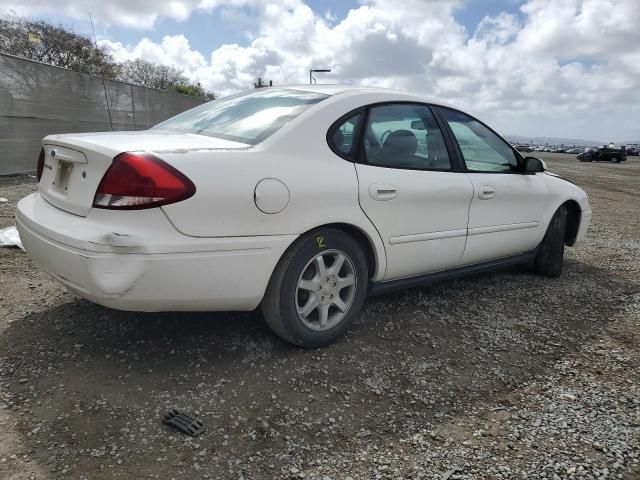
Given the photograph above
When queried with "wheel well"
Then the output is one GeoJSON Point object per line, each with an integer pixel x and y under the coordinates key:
{"type": "Point", "coordinates": [573, 222]}
{"type": "Point", "coordinates": [361, 238]}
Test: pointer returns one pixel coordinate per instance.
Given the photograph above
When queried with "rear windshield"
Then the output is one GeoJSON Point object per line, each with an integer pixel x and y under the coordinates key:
{"type": "Point", "coordinates": [247, 117]}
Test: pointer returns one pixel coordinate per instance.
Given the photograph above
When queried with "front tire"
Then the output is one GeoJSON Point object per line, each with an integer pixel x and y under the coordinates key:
{"type": "Point", "coordinates": [550, 256]}
{"type": "Point", "coordinates": [317, 289]}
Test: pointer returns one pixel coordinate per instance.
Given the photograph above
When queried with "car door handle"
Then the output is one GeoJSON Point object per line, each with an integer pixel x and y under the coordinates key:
{"type": "Point", "coordinates": [486, 192]}
{"type": "Point", "coordinates": [383, 192]}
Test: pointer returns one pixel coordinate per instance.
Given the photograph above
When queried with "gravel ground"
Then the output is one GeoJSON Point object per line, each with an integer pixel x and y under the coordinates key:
{"type": "Point", "coordinates": [503, 375]}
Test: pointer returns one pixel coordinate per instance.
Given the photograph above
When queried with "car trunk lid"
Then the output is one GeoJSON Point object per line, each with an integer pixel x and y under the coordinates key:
{"type": "Point", "coordinates": [75, 163]}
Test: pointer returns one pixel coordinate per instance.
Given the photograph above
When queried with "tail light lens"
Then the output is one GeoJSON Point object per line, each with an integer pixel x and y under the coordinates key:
{"type": "Point", "coordinates": [40, 166]}
{"type": "Point", "coordinates": [140, 180]}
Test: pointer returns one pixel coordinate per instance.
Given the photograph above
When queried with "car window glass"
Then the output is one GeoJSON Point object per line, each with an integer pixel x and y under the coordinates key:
{"type": "Point", "coordinates": [246, 117]}
{"type": "Point", "coordinates": [343, 136]}
{"type": "Point", "coordinates": [405, 136]}
{"type": "Point", "coordinates": [483, 150]}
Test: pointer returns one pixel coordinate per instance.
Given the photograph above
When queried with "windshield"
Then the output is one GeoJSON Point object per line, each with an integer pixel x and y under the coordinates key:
{"type": "Point", "coordinates": [247, 117]}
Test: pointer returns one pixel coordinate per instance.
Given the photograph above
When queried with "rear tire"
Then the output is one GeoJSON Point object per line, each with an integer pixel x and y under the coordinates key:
{"type": "Point", "coordinates": [550, 256]}
{"type": "Point", "coordinates": [337, 284]}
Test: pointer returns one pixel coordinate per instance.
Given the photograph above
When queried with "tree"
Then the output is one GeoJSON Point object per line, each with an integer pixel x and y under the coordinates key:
{"type": "Point", "coordinates": [147, 74]}
{"type": "Point", "coordinates": [47, 43]}
{"type": "Point", "coordinates": [194, 89]}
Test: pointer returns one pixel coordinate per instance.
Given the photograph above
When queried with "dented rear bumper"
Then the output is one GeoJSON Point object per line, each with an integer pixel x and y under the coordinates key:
{"type": "Point", "coordinates": [138, 261]}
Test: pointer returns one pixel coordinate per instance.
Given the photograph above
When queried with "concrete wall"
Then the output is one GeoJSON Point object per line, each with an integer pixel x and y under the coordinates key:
{"type": "Point", "coordinates": [37, 100]}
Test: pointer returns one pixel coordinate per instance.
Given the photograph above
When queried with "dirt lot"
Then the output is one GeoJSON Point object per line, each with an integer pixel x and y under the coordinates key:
{"type": "Point", "coordinates": [504, 375]}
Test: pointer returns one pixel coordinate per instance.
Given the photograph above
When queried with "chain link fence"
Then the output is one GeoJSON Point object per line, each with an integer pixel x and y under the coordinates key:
{"type": "Point", "coordinates": [38, 100]}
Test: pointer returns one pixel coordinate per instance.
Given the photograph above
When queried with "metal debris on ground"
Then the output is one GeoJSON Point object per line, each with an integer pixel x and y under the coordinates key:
{"type": "Point", "coordinates": [448, 473]}
{"type": "Point", "coordinates": [183, 422]}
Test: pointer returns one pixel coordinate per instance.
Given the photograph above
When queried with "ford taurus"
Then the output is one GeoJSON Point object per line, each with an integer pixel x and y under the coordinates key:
{"type": "Point", "coordinates": [302, 200]}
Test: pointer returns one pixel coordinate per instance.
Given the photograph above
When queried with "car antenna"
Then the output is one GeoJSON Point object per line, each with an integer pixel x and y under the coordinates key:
{"type": "Point", "coordinates": [104, 85]}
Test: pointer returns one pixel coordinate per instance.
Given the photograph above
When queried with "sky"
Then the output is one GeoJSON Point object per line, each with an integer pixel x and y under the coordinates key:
{"type": "Point", "coordinates": [557, 68]}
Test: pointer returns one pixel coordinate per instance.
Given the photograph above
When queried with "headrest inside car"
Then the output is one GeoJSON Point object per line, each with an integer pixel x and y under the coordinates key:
{"type": "Point", "coordinates": [401, 142]}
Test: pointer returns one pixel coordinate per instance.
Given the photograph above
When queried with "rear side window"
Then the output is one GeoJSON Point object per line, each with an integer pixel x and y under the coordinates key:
{"type": "Point", "coordinates": [247, 117]}
{"type": "Point", "coordinates": [342, 137]}
{"type": "Point", "coordinates": [483, 150]}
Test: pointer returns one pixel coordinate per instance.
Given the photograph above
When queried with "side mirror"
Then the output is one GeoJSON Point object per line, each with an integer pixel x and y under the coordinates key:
{"type": "Point", "coordinates": [534, 165]}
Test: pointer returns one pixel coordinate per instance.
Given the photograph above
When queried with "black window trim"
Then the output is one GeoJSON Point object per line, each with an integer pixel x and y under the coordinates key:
{"type": "Point", "coordinates": [452, 145]}
{"type": "Point", "coordinates": [458, 152]}
{"type": "Point", "coordinates": [360, 156]}
{"type": "Point", "coordinates": [350, 156]}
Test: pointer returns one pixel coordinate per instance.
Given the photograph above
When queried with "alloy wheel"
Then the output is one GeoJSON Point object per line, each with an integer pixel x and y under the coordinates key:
{"type": "Point", "coordinates": [325, 290]}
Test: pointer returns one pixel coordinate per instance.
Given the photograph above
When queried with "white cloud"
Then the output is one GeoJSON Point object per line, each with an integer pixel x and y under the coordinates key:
{"type": "Point", "coordinates": [142, 14]}
{"type": "Point", "coordinates": [173, 50]}
{"type": "Point", "coordinates": [568, 67]}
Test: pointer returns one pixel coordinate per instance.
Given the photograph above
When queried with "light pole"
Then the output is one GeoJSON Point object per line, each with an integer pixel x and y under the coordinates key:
{"type": "Point", "coordinates": [316, 70]}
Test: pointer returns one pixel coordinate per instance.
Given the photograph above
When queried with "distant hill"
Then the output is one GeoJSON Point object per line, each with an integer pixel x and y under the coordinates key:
{"type": "Point", "coordinates": [552, 141]}
{"type": "Point", "coordinates": [555, 141]}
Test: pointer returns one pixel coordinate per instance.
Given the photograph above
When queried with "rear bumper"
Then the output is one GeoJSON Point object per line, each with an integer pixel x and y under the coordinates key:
{"type": "Point", "coordinates": [145, 264]}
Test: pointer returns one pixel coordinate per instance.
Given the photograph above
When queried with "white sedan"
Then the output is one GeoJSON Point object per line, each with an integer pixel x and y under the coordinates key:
{"type": "Point", "coordinates": [301, 199]}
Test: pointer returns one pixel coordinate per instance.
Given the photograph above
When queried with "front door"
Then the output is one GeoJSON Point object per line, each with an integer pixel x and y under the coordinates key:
{"type": "Point", "coordinates": [408, 189]}
{"type": "Point", "coordinates": [506, 212]}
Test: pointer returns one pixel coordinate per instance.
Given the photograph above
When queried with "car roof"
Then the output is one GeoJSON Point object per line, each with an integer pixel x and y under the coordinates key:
{"type": "Point", "coordinates": [337, 89]}
{"type": "Point", "coordinates": [332, 89]}
{"type": "Point", "coordinates": [327, 89]}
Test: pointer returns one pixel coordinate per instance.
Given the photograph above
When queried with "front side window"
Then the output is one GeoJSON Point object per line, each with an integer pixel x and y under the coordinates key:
{"type": "Point", "coordinates": [405, 136]}
{"type": "Point", "coordinates": [343, 137]}
{"type": "Point", "coordinates": [246, 117]}
{"type": "Point", "coordinates": [483, 150]}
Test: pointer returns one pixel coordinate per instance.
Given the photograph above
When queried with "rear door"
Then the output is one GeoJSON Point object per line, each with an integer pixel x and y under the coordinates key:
{"type": "Point", "coordinates": [409, 189]}
{"type": "Point", "coordinates": [506, 212]}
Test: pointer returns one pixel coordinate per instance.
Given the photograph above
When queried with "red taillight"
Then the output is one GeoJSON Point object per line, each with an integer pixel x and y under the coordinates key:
{"type": "Point", "coordinates": [40, 166]}
{"type": "Point", "coordinates": [140, 180]}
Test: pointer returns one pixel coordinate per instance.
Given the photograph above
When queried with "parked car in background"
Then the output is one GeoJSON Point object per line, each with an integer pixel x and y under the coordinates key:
{"type": "Point", "coordinates": [575, 150]}
{"type": "Point", "coordinates": [633, 150]}
{"type": "Point", "coordinates": [302, 200]}
{"type": "Point", "coordinates": [604, 154]}
{"type": "Point", "coordinates": [524, 148]}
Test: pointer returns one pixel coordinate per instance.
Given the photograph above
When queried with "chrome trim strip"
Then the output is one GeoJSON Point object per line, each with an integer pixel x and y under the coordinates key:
{"type": "Point", "coordinates": [502, 228]}
{"type": "Point", "coordinates": [422, 237]}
